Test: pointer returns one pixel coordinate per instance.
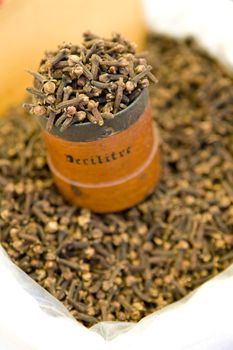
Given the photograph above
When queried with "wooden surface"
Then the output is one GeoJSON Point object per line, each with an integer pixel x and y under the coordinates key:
{"type": "Point", "coordinates": [28, 28]}
{"type": "Point", "coordinates": [110, 174]}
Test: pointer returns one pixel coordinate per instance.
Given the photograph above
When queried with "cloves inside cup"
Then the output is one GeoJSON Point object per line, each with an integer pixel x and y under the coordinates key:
{"type": "Point", "coordinates": [91, 101]}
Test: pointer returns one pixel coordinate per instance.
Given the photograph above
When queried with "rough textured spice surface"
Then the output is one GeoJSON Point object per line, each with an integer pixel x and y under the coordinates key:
{"type": "Point", "coordinates": [88, 82]}
{"type": "Point", "coordinates": [127, 265]}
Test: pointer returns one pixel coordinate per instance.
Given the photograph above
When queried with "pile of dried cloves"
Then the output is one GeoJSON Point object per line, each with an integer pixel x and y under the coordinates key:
{"type": "Point", "coordinates": [127, 265]}
{"type": "Point", "coordinates": [88, 82]}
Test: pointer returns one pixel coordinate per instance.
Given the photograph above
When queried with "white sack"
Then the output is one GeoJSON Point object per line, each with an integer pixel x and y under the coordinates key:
{"type": "Point", "coordinates": [30, 318]}
{"type": "Point", "coordinates": [209, 21]}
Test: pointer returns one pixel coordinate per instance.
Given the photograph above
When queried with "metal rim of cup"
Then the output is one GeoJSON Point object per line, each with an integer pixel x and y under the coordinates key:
{"type": "Point", "coordinates": [84, 132]}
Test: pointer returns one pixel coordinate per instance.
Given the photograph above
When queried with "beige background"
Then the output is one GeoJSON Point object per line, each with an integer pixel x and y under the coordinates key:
{"type": "Point", "coordinates": [28, 27]}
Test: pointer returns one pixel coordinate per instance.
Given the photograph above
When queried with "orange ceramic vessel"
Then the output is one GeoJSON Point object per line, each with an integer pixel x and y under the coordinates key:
{"type": "Point", "coordinates": [108, 168]}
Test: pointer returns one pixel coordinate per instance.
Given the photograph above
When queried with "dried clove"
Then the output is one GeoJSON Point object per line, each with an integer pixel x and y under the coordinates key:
{"type": "Point", "coordinates": [101, 69]}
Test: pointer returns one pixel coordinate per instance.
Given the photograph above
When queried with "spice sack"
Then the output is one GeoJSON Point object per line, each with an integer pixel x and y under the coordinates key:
{"type": "Point", "coordinates": [31, 318]}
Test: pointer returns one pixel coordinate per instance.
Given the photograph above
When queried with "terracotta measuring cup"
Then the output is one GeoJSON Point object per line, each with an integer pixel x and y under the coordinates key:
{"type": "Point", "coordinates": [106, 168]}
